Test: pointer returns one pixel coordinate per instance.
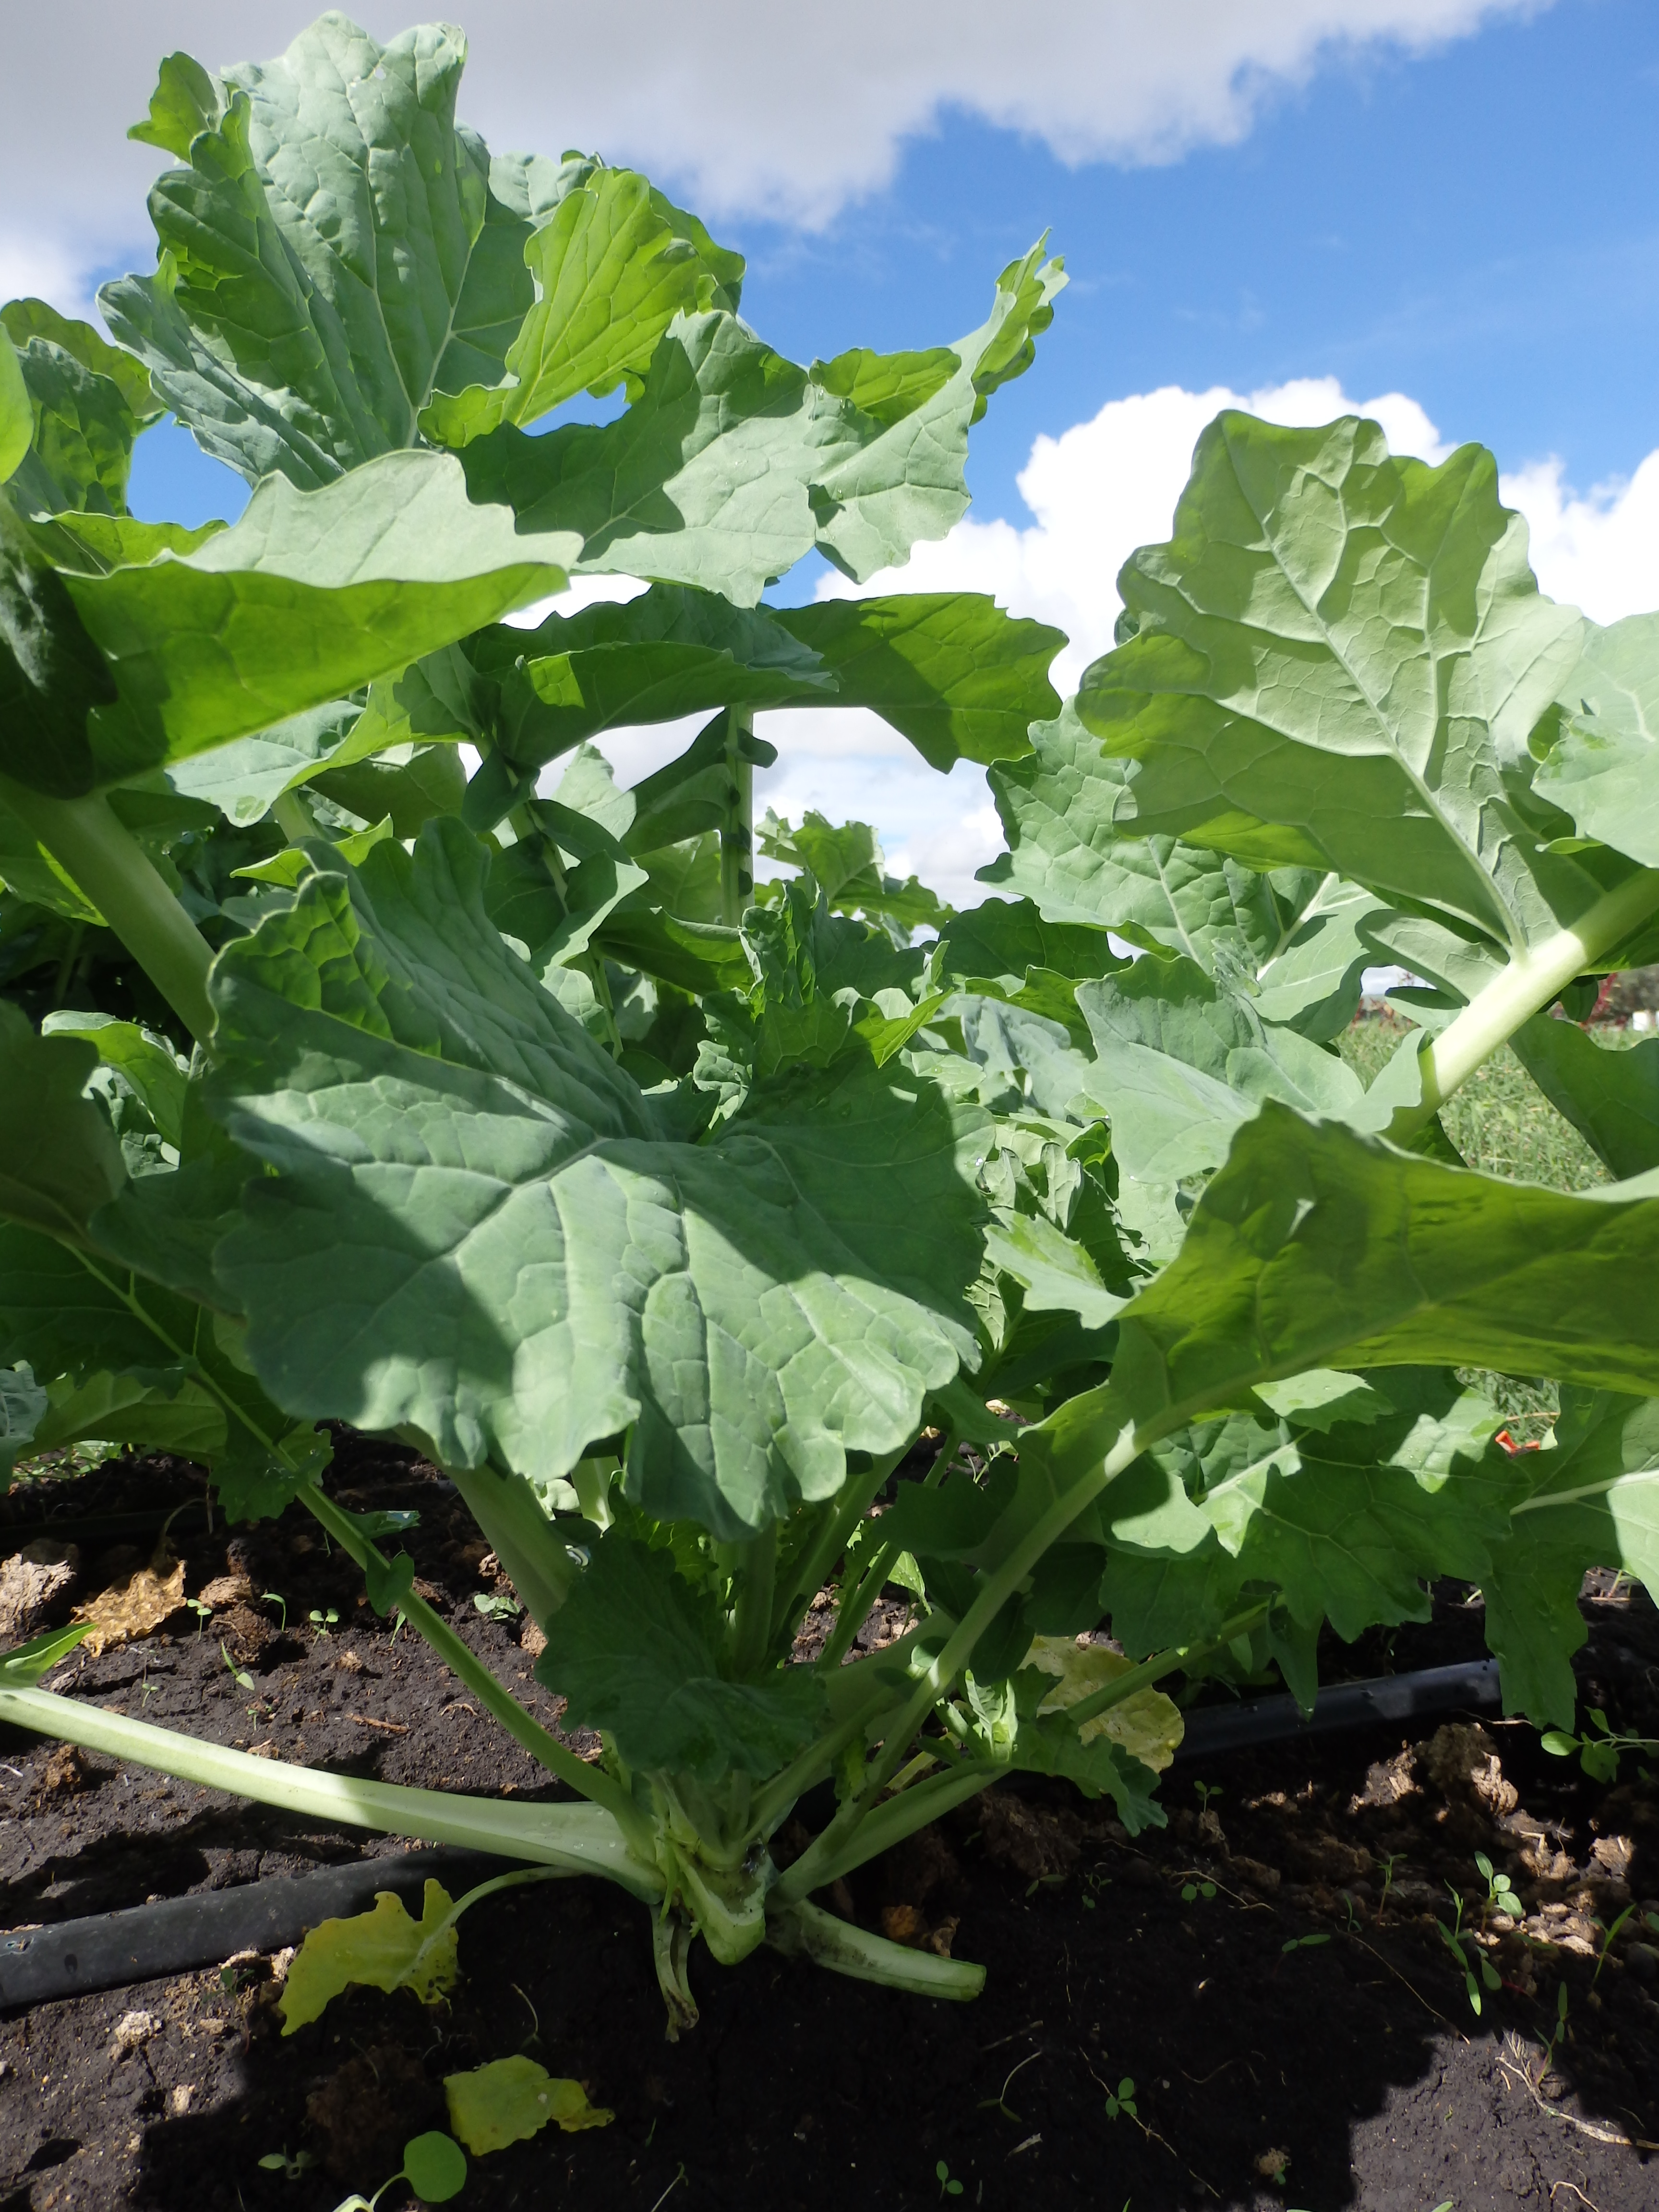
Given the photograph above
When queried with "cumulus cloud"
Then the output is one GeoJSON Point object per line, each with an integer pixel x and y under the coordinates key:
{"type": "Point", "coordinates": [1597, 549]}
{"type": "Point", "coordinates": [752, 108]}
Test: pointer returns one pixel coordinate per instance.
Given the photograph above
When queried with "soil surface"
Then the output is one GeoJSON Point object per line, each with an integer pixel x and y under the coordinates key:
{"type": "Point", "coordinates": [1268, 1971]}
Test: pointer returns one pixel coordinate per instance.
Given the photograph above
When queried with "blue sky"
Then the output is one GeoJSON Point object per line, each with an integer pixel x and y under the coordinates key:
{"type": "Point", "coordinates": [1450, 201]}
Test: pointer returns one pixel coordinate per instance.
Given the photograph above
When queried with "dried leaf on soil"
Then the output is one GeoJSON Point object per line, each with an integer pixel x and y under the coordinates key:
{"type": "Point", "coordinates": [511, 2099]}
{"type": "Point", "coordinates": [136, 1607]}
{"type": "Point", "coordinates": [1148, 1724]}
{"type": "Point", "coordinates": [384, 1948]}
{"type": "Point", "coordinates": [33, 1580]}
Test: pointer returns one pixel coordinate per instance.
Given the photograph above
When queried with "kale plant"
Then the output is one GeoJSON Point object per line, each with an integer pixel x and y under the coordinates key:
{"type": "Point", "coordinates": [738, 1253]}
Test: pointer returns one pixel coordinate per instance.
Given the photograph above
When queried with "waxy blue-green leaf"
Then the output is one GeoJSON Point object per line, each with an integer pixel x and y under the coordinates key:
{"type": "Point", "coordinates": [59, 1160]}
{"type": "Point", "coordinates": [632, 1651]}
{"type": "Point", "coordinates": [245, 779]}
{"type": "Point", "coordinates": [335, 251]}
{"type": "Point", "coordinates": [1600, 769]}
{"type": "Point", "coordinates": [309, 595]}
{"type": "Point", "coordinates": [1314, 1247]}
{"type": "Point", "coordinates": [1337, 661]}
{"type": "Point", "coordinates": [1595, 1504]}
{"type": "Point", "coordinates": [1063, 810]}
{"type": "Point", "coordinates": [17, 415]}
{"type": "Point", "coordinates": [733, 462]}
{"type": "Point", "coordinates": [52, 677]}
{"type": "Point", "coordinates": [534, 1266]}
{"type": "Point", "coordinates": [1610, 1093]}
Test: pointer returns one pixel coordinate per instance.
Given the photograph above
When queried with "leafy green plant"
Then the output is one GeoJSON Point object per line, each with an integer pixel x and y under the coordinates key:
{"type": "Point", "coordinates": [324, 1619]}
{"type": "Point", "coordinates": [1464, 1944]}
{"type": "Point", "coordinates": [739, 1256]}
{"type": "Point", "coordinates": [276, 1598]}
{"type": "Point", "coordinates": [496, 1605]}
{"type": "Point", "coordinates": [947, 2185]}
{"type": "Point", "coordinates": [1598, 1748]}
{"type": "Point", "coordinates": [1122, 2099]}
{"type": "Point", "coordinates": [1501, 1895]}
{"type": "Point", "coordinates": [434, 2166]}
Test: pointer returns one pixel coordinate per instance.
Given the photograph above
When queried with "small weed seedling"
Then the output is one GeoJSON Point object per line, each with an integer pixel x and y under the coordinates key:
{"type": "Point", "coordinates": [1122, 2099]}
{"type": "Point", "coordinates": [1389, 1866]}
{"type": "Point", "coordinates": [1599, 1748]}
{"type": "Point", "coordinates": [1462, 1944]}
{"type": "Point", "coordinates": [1500, 1895]}
{"type": "Point", "coordinates": [434, 2166]}
{"type": "Point", "coordinates": [321, 1621]}
{"type": "Point", "coordinates": [1093, 1882]}
{"type": "Point", "coordinates": [947, 2187]}
{"type": "Point", "coordinates": [1607, 1943]}
{"type": "Point", "coordinates": [1305, 1942]}
{"type": "Point", "coordinates": [496, 1605]}
{"type": "Point", "coordinates": [203, 1612]}
{"type": "Point", "coordinates": [1557, 2033]}
{"type": "Point", "coordinates": [276, 1598]}
{"type": "Point", "coordinates": [1189, 1890]}
{"type": "Point", "coordinates": [1206, 1791]}
{"type": "Point", "coordinates": [243, 1681]}
{"type": "Point", "coordinates": [278, 2162]}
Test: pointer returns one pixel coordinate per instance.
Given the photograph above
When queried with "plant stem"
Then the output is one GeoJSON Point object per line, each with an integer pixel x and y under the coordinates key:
{"type": "Point", "coordinates": [111, 868]}
{"type": "Point", "coordinates": [738, 830]}
{"type": "Point", "coordinates": [1124, 1686]}
{"type": "Point", "coordinates": [942, 1671]}
{"type": "Point", "coordinates": [592, 1782]}
{"type": "Point", "coordinates": [896, 1817]}
{"type": "Point", "coordinates": [811, 1767]}
{"type": "Point", "coordinates": [802, 1930]}
{"type": "Point", "coordinates": [751, 1617]}
{"type": "Point", "coordinates": [1531, 982]}
{"type": "Point", "coordinates": [294, 817]}
{"type": "Point", "coordinates": [578, 1839]}
{"type": "Point", "coordinates": [523, 1539]}
{"type": "Point", "coordinates": [833, 1537]}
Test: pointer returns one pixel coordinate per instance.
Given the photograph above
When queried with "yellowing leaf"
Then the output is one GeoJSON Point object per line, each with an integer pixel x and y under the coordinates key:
{"type": "Point", "coordinates": [511, 2099]}
{"type": "Point", "coordinates": [384, 1948]}
{"type": "Point", "coordinates": [1148, 1724]}
{"type": "Point", "coordinates": [137, 1606]}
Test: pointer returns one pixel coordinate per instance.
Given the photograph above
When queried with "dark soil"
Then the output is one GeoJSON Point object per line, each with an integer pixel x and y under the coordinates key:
{"type": "Point", "coordinates": [1269, 2069]}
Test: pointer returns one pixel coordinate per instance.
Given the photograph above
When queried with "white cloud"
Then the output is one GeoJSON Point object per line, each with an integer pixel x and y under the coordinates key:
{"type": "Point", "coordinates": [787, 112]}
{"type": "Point", "coordinates": [1600, 550]}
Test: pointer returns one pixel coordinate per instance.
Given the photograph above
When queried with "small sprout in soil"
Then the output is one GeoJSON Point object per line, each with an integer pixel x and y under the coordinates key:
{"type": "Point", "coordinates": [203, 1612]}
{"type": "Point", "coordinates": [1206, 1791]}
{"type": "Point", "coordinates": [946, 2186]}
{"type": "Point", "coordinates": [1607, 1943]}
{"type": "Point", "coordinates": [1464, 1946]}
{"type": "Point", "coordinates": [1500, 1895]}
{"type": "Point", "coordinates": [434, 2166]}
{"type": "Point", "coordinates": [1123, 2101]}
{"type": "Point", "coordinates": [496, 1605]}
{"type": "Point", "coordinates": [1558, 2031]}
{"type": "Point", "coordinates": [278, 2162]}
{"type": "Point", "coordinates": [1389, 1866]}
{"type": "Point", "coordinates": [322, 1622]}
{"type": "Point", "coordinates": [243, 1681]}
{"type": "Point", "coordinates": [1189, 1890]}
{"type": "Point", "coordinates": [276, 1598]}
{"type": "Point", "coordinates": [1272, 2166]}
{"type": "Point", "coordinates": [1306, 1943]}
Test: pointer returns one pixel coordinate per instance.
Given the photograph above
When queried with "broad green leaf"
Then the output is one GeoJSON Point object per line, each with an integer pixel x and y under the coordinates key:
{"type": "Point", "coordinates": [1063, 810]}
{"type": "Point", "coordinates": [51, 674]}
{"type": "Point", "coordinates": [549, 1268]}
{"type": "Point", "coordinates": [245, 779]}
{"type": "Point", "coordinates": [1181, 1062]}
{"type": "Point", "coordinates": [511, 2100]}
{"type": "Point", "coordinates": [59, 1160]}
{"type": "Point", "coordinates": [1311, 981]}
{"type": "Point", "coordinates": [17, 415]}
{"type": "Point", "coordinates": [732, 463]}
{"type": "Point", "coordinates": [1609, 1094]}
{"type": "Point", "coordinates": [30, 872]}
{"type": "Point", "coordinates": [22, 1405]}
{"type": "Point", "coordinates": [383, 1948]}
{"type": "Point", "coordinates": [406, 785]}
{"type": "Point", "coordinates": [958, 676]}
{"type": "Point", "coordinates": [334, 251]}
{"type": "Point", "coordinates": [168, 1413]}
{"type": "Point", "coordinates": [845, 860]}
{"type": "Point", "coordinates": [145, 1060]}
{"type": "Point", "coordinates": [1055, 1273]}
{"type": "Point", "coordinates": [1313, 1248]}
{"type": "Point", "coordinates": [1337, 662]}
{"type": "Point", "coordinates": [28, 1662]}
{"type": "Point", "coordinates": [1600, 769]}
{"type": "Point", "coordinates": [611, 275]}
{"type": "Point", "coordinates": [1147, 1725]}
{"type": "Point", "coordinates": [1595, 1505]}
{"type": "Point", "coordinates": [632, 1651]}
{"type": "Point", "coordinates": [1004, 941]}
{"type": "Point", "coordinates": [308, 596]}
{"type": "Point", "coordinates": [88, 402]}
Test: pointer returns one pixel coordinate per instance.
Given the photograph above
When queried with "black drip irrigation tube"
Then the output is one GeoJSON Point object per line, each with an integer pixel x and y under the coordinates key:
{"type": "Point", "coordinates": [181, 1934]}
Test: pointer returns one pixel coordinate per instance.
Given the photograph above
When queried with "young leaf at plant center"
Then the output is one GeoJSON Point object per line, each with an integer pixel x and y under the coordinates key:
{"type": "Point", "coordinates": [383, 1948]}
{"type": "Point", "coordinates": [513, 2099]}
{"type": "Point", "coordinates": [632, 1651]}
{"type": "Point", "coordinates": [817, 1249]}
